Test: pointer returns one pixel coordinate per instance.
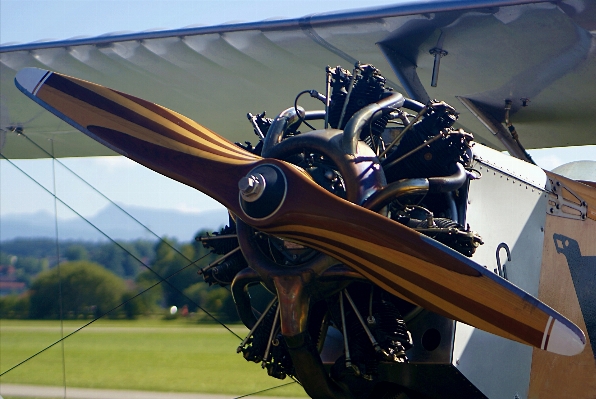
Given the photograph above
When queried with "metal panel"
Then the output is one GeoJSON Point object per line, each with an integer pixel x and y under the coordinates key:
{"type": "Point", "coordinates": [520, 208]}
{"type": "Point", "coordinates": [429, 381]}
{"type": "Point", "coordinates": [433, 339]}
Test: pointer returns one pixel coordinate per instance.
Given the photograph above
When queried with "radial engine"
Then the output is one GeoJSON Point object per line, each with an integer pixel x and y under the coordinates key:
{"type": "Point", "coordinates": [391, 155]}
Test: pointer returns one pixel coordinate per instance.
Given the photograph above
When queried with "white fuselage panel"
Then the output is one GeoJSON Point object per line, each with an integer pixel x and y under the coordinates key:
{"type": "Point", "coordinates": [507, 207]}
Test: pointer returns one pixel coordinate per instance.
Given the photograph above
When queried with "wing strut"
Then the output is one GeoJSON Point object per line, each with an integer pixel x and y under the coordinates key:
{"type": "Point", "coordinates": [510, 142]}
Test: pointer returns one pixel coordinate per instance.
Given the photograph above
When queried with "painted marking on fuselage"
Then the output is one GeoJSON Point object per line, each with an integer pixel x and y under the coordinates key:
{"type": "Point", "coordinates": [583, 274]}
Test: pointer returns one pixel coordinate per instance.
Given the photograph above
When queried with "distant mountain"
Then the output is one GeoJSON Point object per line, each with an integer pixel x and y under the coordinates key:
{"type": "Point", "coordinates": [114, 223]}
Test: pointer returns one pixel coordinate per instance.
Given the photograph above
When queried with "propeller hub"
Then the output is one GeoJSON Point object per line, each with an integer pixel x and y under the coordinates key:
{"type": "Point", "coordinates": [262, 191]}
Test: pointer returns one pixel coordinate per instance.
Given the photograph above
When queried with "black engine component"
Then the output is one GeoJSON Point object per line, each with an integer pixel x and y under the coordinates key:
{"type": "Point", "coordinates": [260, 124]}
{"type": "Point", "coordinates": [448, 232]}
{"type": "Point", "coordinates": [368, 87]}
{"type": "Point", "coordinates": [444, 230]}
{"type": "Point", "coordinates": [222, 243]}
{"type": "Point", "coordinates": [224, 273]}
{"type": "Point", "coordinates": [257, 150]}
{"type": "Point", "coordinates": [438, 158]}
{"type": "Point", "coordinates": [384, 322]}
{"type": "Point", "coordinates": [274, 354]}
{"type": "Point", "coordinates": [390, 331]}
{"type": "Point", "coordinates": [322, 170]}
{"type": "Point", "coordinates": [452, 234]}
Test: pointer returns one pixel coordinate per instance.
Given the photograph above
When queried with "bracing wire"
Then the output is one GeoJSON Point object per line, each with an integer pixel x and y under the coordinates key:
{"type": "Point", "coordinates": [265, 390]}
{"type": "Point", "coordinates": [60, 297]}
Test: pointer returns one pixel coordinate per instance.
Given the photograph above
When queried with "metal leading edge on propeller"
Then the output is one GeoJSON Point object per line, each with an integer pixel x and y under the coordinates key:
{"type": "Point", "coordinates": [400, 260]}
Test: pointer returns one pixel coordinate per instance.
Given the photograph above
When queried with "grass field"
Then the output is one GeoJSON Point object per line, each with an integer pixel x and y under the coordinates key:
{"type": "Point", "coordinates": [152, 355]}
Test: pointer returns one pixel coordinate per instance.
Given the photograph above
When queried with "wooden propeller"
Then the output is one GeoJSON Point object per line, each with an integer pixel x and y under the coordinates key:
{"type": "Point", "coordinates": [398, 259]}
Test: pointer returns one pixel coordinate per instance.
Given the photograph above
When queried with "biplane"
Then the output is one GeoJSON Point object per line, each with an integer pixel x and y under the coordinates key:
{"type": "Point", "coordinates": [407, 255]}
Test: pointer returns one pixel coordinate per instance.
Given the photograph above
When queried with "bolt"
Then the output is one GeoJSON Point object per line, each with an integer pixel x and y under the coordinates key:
{"type": "Point", "coordinates": [251, 187]}
{"type": "Point", "coordinates": [247, 184]}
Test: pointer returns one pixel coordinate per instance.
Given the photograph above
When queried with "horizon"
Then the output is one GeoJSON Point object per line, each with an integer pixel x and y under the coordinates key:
{"type": "Point", "coordinates": [113, 222]}
{"type": "Point", "coordinates": [126, 207]}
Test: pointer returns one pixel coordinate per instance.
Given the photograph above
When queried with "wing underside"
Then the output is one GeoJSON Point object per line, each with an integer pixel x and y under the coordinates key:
{"type": "Point", "coordinates": [538, 55]}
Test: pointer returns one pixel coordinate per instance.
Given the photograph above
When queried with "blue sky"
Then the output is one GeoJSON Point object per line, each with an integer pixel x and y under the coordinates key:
{"type": "Point", "coordinates": [120, 179]}
{"type": "Point", "coordinates": [25, 21]}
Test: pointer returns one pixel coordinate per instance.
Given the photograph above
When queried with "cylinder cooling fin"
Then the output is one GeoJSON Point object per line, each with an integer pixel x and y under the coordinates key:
{"type": "Point", "coordinates": [352, 92]}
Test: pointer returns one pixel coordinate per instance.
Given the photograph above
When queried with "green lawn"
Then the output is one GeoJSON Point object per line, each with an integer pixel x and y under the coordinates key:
{"type": "Point", "coordinates": [153, 355]}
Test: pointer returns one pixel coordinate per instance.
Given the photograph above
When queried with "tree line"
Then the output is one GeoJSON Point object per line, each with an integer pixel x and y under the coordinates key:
{"type": "Point", "coordinates": [32, 255]}
{"type": "Point", "coordinates": [88, 280]}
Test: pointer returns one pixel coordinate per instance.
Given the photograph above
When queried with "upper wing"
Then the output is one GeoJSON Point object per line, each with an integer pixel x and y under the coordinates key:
{"type": "Point", "coordinates": [537, 53]}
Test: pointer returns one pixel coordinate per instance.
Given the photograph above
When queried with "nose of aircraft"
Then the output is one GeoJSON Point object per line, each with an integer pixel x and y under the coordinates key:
{"type": "Point", "coordinates": [396, 258]}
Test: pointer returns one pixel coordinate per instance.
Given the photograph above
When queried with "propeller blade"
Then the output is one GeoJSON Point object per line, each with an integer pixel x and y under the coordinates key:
{"type": "Point", "coordinates": [280, 199]}
{"type": "Point", "coordinates": [147, 133]}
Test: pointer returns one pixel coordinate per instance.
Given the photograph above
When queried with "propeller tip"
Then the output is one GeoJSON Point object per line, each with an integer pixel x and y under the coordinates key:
{"type": "Point", "coordinates": [562, 339]}
{"type": "Point", "coordinates": [31, 79]}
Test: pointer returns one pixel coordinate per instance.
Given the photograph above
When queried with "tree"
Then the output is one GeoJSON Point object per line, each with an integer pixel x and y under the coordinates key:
{"type": "Point", "coordinates": [172, 265]}
{"type": "Point", "coordinates": [218, 301]}
{"type": "Point", "coordinates": [150, 300]}
{"type": "Point", "coordinates": [14, 307]}
{"type": "Point", "coordinates": [120, 257]}
{"type": "Point", "coordinates": [76, 252]}
{"type": "Point", "coordinates": [87, 290]}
